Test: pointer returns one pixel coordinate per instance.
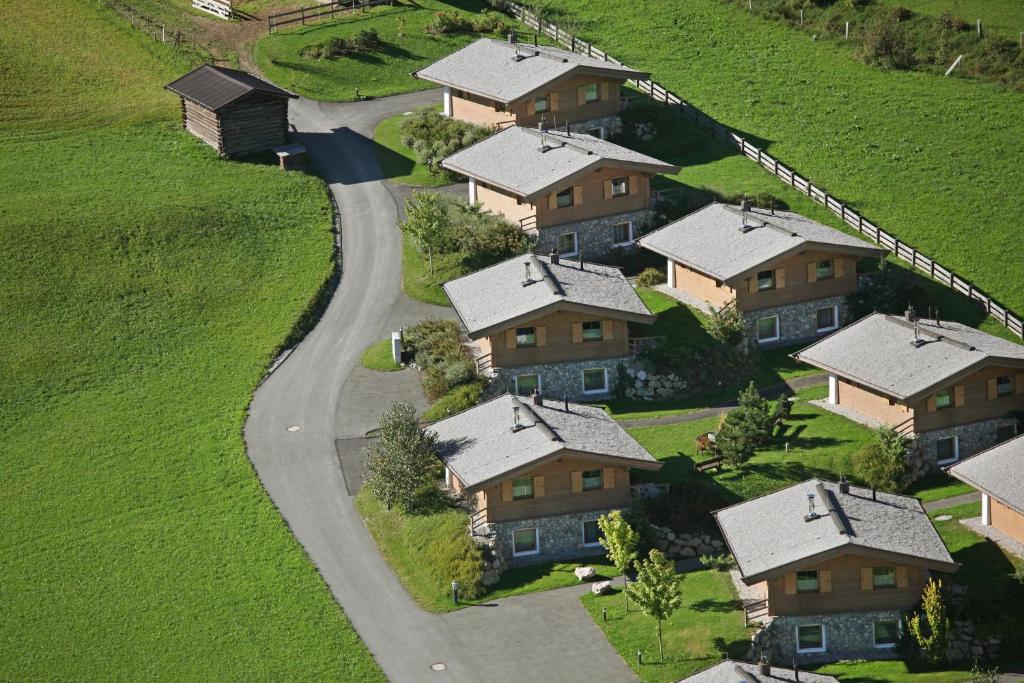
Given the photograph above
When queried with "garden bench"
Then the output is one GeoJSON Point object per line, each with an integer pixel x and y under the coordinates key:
{"type": "Point", "coordinates": [714, 463]}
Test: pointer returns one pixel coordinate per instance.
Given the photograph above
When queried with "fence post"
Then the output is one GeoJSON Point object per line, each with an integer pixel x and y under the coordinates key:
{"type": "Point", "coordinates": [163, 33]}
{"type": "Point", "coordinates": [270, 26]}
{"type": "Point", "coordinates": [847, 29]}
{"type": "Point", "coordinates": [979, 28]}
{"type": "Point", "coordinates": [302, 11]}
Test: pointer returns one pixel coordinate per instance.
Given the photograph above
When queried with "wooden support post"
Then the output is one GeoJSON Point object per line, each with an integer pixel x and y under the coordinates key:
{"type": "Point", "coordinates": [302, 13]}
{"type": "Point", "coordinates": [847, 29]}
{"type": "Point", "coordinates": [163, 33]}
{"type": "Point", "coordinates": [270, 27]}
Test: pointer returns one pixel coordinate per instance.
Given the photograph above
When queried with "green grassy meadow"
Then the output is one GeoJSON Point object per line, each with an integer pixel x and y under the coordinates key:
{"type": "Point", "coordinates": [375, 74]}
{"type": "Point", "coordinates": [145, 284]}
{"type": "Point", "coordinates": [932, 160]}
{"type": "Point", "coordinates": [1002, 16]}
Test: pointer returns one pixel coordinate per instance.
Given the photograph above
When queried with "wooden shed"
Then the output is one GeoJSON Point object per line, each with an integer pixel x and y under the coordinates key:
{"type": "Point", "coordinates": [233, 111]}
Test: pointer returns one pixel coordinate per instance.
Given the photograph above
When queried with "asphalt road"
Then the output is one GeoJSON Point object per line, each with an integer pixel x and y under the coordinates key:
{"type": "Point", "coordinates": [321, 390]}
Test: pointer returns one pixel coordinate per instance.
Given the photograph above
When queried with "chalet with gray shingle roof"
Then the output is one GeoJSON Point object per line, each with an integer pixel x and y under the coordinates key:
{"type": "Point", "coordinates": [788, 275]}
{"type": "Point", "coordinates": [577, 194]}
{"type": "Point", "coordinates": [835, 565]}
{"type": "Point", "coordinates": [549, 324]}
{"type": "Point", "coordinates": [503, 83]}
{"type": "Point", "coordinates": [234, 112]}
{"type": "Point", "coordinates": [539, 473]}
{"type": "Point", "coordinates": [953, 388]}
{"type": "Point", "coordinates": [732, 671]}
{"type": "Point", "coordinates": [998, 473]}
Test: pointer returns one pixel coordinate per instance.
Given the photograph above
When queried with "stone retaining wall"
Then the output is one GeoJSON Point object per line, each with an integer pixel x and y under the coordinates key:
{"type": "Point", "coordinates": [595, 238]}
{"type": "Point", "coordinates": [797, 322]}
{"type": "Point", "coordinates": [682, 545]}
{"type": "Point", "coordinates": [648, 386]}
{"type": "Point", "coordinates": [965, 645]}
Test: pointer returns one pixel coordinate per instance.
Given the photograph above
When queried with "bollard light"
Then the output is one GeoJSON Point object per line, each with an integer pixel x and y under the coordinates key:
{"type": "Point", "coordinates": [639, 658]}
{"type": "Point", "coordinates": [455, 591]}
{"type": "Point", "coordinates": [604, 614]}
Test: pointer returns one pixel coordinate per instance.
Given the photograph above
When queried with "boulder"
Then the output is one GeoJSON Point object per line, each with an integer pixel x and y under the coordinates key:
{"type": "Point", "coordinates": [716, 544]}
{"type": "Point", "coordinates": [641, 375]}
{"type": "Point", "coordinates": [670, 535]}
{"type": "Point", "coordinates": [601, 587]}
{"type": "Point", "coordinates": [490, 577]}
{"type": "Point", "coordinates": [585, 573]}
{"type": "Point", "coordinates": [688, 552]}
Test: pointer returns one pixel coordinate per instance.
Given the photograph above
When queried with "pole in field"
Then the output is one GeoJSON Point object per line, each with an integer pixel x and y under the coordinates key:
{"type": "Point", "coordinates": [954, 65]}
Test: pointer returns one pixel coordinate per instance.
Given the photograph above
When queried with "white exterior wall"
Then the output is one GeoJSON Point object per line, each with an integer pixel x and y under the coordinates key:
{"type": "Point", "coordinates": [833, 389]}
{"type": "Point", "coordinates": [670, 276]}
{"type": "Point", "coordinates": [447, 96]}
{"type": "Point", "coordinates": [472, 190]}
{"type": "Point", "coordinates": [986, 509]}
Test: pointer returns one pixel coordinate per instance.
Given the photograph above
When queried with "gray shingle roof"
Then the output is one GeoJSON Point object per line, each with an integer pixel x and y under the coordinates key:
{"type": "Point", "coordinates": [877, 352]}
{"type": "Point", "coordinates": [526, 161]}
{"type": "Point", "coordinates": [489, 67]}
{"type": "Point", "coordinates": [215, 87]}
{"type": "Point", "coordinates": [769, 533]}
{"type": "Point", "coordinates": [711, 239]}
{"type": "Point", "coordinates": [726, 672]}
{"type": "Point", "coordinates": [998, 471]}
{"type": "Point", "coordinates": [479, 446]}
{"type": "Point", "coordinates": [493, 297]}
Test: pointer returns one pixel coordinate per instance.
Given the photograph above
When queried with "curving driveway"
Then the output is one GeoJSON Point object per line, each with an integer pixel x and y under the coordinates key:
{"type": "Point", "coordinates": [321, 389]}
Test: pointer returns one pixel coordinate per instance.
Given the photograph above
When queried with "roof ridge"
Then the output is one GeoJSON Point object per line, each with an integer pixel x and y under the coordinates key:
{"type": "Point", "coordinates": [767, 223]}
{"type": "Point", "coordinates": [938, 337]}
{"type": "Point", "coordinates": [557, 135]}
{"type": "Point", "coordinates": [549, 278]}
{"type": "Point", "coordinates": [538, 421]}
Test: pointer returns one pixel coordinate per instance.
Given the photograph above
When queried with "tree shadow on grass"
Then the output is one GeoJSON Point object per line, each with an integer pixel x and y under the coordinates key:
{"type": "Point", "coordinates": [709, 605]}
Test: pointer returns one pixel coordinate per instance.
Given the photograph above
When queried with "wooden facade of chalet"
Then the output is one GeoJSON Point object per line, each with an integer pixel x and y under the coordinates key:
{"type": "Point", "coordinates": [232, 111]}
{"type": "Point", "coordinates": [557, 337]}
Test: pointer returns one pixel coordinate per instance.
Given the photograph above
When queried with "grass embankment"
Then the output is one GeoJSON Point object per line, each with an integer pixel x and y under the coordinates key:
{"type": "Point", "coordinates": [706, 628]}
{"type": "Point", "coordinates": [407, 47]}
{"type": "Point", "coordinates": [378, 357]}
{"type": "Point", "coordinates": [146, 285]}
{"type": "Point", "coordinates": [859, 131]}
{"type": "Point", "coordinates": [397, 161]}
{"type": "Point", "coordinates": [429, 549]}
{"type": "Point", "coordinates": [1005, 17]}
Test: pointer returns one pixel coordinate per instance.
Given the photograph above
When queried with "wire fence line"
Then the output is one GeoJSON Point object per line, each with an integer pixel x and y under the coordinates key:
{"type": "Point", "coordinates": [158, 30]}
{"type": "Point", "coordinates": [855, 220]}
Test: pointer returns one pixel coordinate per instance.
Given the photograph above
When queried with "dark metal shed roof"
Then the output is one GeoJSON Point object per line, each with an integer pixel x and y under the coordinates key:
{"type": "Point", "coordinates": [215, 87]}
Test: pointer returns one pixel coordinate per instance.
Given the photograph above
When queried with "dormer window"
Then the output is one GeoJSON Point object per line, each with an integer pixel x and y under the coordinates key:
{"type": "Point", "coordinates": [591, 93]}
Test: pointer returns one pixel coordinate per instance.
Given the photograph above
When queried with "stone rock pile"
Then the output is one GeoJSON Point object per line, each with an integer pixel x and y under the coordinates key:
{"type": "Point", "coordinates": [683, 545]}
{"type": "Point", "coordinates": [647, 386]}
{"type": "Point", "coordinates": [965, 645]}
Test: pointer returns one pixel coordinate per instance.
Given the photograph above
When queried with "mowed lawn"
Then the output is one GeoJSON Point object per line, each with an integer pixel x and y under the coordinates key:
{"type": "Point", "coordinates": [144, 286]}
{"type": "Point", "coordinates": [407, 47]}
{"type": "Point", "coordinates": [934, 161]}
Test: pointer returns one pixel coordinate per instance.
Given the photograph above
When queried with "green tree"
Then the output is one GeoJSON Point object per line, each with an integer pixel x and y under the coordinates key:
{"type": "Point", "coordinates": [931, 630]}
{"type": "Point", "coordinates": [620, 542]}
{"type": "Point", "coordinates": [428, 222]}
{"type": "Point", "coordinates": [726, 324]}
{"type": "Point", "coordinates": [882, 464]}
{"type": "Point", "coordinates": [402, 463]}
{"type": "Point", "coordinates": [656, 590]}
{"type": "Point", "coordinates": [746, 427]}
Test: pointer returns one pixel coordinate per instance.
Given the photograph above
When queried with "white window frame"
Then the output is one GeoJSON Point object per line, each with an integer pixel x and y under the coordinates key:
{"type": "Point", "coordinates": [809, 650]}
{"type": "Point", "coordinates": [583, 534]}
{"type": "Point", "coordinates": [885, 646]}
{"type": "Point", "coordinates": [529, 374]}
{"type": "Point", "coordinates": [583, 486]}
{"type": "Point", "coordinates": [625, 187]}
{"type": "Point", "coordinates": [757, 330]}
{"type": "Point", "coordinates": [835, 318]}
{"type": "Point", "coordinates": [575, 244]}
{"type": "Point", "coordinates": [956, 450]}
{"type": "Point", "coordinates": [583, 382]}
{"type": "Point", "coordinates": [536, 542]}
{"type": "Point", "coordinates": [631, 233]}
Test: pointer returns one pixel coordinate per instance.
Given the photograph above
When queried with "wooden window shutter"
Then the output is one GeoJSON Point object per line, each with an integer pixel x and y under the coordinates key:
{"type": "Point", "coordinates": [577, 195]}
{"type": "Point", "coordinates": [581, 95]}
{"type": "Point", "coordinates": [752, 285]}
{"type": "Point", "coordinates": [538, 487]}
{"type": "Point", "coordinates": [510, 339]}
{"type": "Point", "coordinates": [1020, 383]}
{"type": "Point", "coordinates": [608, 478]}
{"type": "Point", "coordinates": [506, 490]}
{"type": "Point", "coordinates": [607, 189]}
{"type": "Point", "coordinates": [577, 333]}
{"type": "Point", "coordinates": [577, 481]}
{"type": "Point", "coordinates": [553, 201]}
{"type": "Point", "coordinates": [838, 266]}
{"type": "Point", "coordinates": [607, 330]}
{"type": "Point", "coordinates": [867, 581]}
{"type": "Point", "coordinates": [604, 91]}
{"type": "Point", "coordinates": [791, 583]}
{"type": "Point", "coordinates": [530, 111]}
{"type": "Point", "coordinates": [634, 184]}
{"type": "Point", "coordinates": [931, 403]}
{"type": "Point", "coordinates": [553, 101]}
{"type": "Point", "coordinates": [542, 335]}
{"type": "Point", "coordinates": [992, 390]}
{"type": "Point", "coordinates": [902, 579]}
{"type": "Point", "coordinates": [812, 271]}
{"type": "Point", "coordinates": [780, 278]}
{"type": "Point", "coordinates": [825, 580]}
{"type": "Point", "coordinates": [958, 395]}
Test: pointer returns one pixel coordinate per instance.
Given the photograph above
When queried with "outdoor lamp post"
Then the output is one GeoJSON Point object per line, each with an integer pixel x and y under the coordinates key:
{"type": "Point", "coordinates": [455, 591]}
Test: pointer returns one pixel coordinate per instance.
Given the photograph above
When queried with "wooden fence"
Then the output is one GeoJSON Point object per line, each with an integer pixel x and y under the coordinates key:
{"type": "Point", "coordinates": [902, 250]}
{"type": "Point", "coordinates": [311, 13]}
{"type": "Point", "coordinates": [157, 30]}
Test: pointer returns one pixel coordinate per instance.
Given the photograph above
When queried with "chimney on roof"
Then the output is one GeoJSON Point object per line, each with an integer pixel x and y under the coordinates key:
{"type": "Point", "coordinates": [918, 342]}
{"type": "Point", "coordinates": [554, 257]}
{"type": "Point", "coordinates": [844, 485]}
{"type": "Point", "coordinates": [516, 425]}
{"type": "Point", "coordinates": [744, 208]}
{"type": "Point", "coordinates": [771, 205]}
{"type": "Point", "coordinates": [764, 668]}
{"type": "Point", "coordinates": [529, 275]}
{"type": "Point", "coordinates": [812, 514]}
{"type": "Point", "coordinates": [538, 400]}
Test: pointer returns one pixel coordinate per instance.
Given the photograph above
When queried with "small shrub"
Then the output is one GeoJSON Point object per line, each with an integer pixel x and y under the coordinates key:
{"type": "Point", "coordinates": [719, 563]}
{"type": "Point", "coordinates": [930, 627]}
{"type": "Point", "coordinates": [885, 44]}
{"type": "Point", "coordinates": [650, 277]}
{"type": "Point", "coordinates": [444, 363]}
{"type": "Point", "coordinates": [462, 397]}
{"type": "Point", "coordinates": [364, 41]}
{"type": "Point", "coordinates": [446, 22]}
{"type": "Point", "coordinates": [433, 137]}
{"type": "Point", "coordinates": [685, 506]}
{"type": "Point", "coordinates": [727, 325]}
{"type": "Point", "coordinates": [882, 464]}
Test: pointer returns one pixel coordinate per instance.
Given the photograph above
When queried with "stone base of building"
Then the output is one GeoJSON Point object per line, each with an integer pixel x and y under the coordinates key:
{"type": "Point", "coordinates": [565, 379]}
{"type": "Point", "coordinates": [971, 438]}
{"type": "Point", "coordinates": [604, 127]}
{"type": "Point", "coordinates": [595, 238]}
{"type": "Point", "coordinates": [796, 322]}
{"type": "Point", "coordinates": [559, 538]}
{"type": "Point", "coordinates": [849, 635]}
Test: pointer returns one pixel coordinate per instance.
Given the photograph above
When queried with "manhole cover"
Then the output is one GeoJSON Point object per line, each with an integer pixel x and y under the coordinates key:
{"type": "Point", "coordinates": [438, 667]}
{"type": "Point", "coordinates": [294, 428]}
{"type": "Point", "coordinates": [943, 518]}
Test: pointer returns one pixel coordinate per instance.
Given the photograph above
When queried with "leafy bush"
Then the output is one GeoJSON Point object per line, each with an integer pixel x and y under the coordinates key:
{"type": "Point", "coordinates": [930, 627]}
{"type": "Point", "coordinates": [443, 361]}
{"type": "Point", "coordinates": [650, 277]}
{"type": "Point", "coordinates": [722, 563]}
{"type": "Point", "coordinates": [433, 136]}
{"type": "Point", "coordinates": [727, 325]}
{"type": "Point", "coordinates": [882, 463]}
{"type": "Point", "coordinates": [686, 506]}
{"type": "Point", "coordinates": [884, 43]}
{"type": "Point", "coordinates": [460, 398]}
{"type": "Point", "coordinates": [402, 464]}
{"type": "Point", "coordinates": [450, 21]}
{"type": "Point", "coordinates": [364, 41]}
